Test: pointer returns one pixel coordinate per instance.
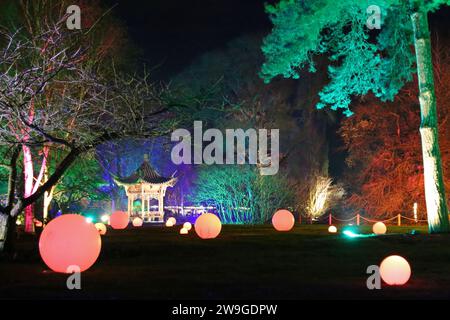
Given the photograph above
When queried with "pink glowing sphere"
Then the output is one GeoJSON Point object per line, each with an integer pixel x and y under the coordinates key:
{"type": "Point", "coordinates": [283, 220]}
{"type": "Point", "coordinates": [395, 270]}
{"type": "Point", "coordinates": [38, 223]}
{"type": "Point", "coordinates": [69, 241]}
{"type": "Point", "coordinates": [101, 228]}
{"type": "Point", "coordinates": [379, 228]}
{"type": "Point", "coordinates": [137, 222]}
{"type": "Point", "coordinates": [119, 220]}
{"type": "Point", "coordinates": [208, 226]}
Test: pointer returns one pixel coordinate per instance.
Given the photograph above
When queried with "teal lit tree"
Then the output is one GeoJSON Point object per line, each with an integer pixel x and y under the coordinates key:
{"type": "Point", "coordinates": [364, 61]}
{"type": "Point", "coordinates": [240, 194]}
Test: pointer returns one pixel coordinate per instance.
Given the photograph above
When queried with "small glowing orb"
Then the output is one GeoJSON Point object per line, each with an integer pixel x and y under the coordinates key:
{"type": "Point", "coordinates": [18, 222]}
{"type": "Point", "coordinates": [89, 220]}
{"type": "Point", "coordinates": [38, 223]}
{"type": "Point", "coordinates": [187, 226]}
{"type": "Point", "coordinates": [332, 229]}
{"type": "Point", "coordinates": [183, 231]}
{"type": "Point", "coordinates": [174, 221]}
{"type": "Point", "coordinates": [208, 226]}
{"type": "Point", "coordinates": [395, 270]}
{"type": "Point", "coordinates": [69, 241]}
{"type": "Point", "coordinates": [379, 228]}
{"type": "Point", "coordinates": [101, 228]}
{"type": "Point", "coordinates": [119, 220]}
{"type": "Point", "coordinates": [169, 223]}
{"type": "Point", "coordinates": [283, 220]}
{"type": "Point", "coordinates": [105, 218]}
{"type": "Point", "coordinates": [137, 222]}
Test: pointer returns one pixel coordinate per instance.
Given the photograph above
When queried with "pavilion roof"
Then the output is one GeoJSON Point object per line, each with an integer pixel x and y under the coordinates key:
{"type": "Point", "coordinates": [145, 174]}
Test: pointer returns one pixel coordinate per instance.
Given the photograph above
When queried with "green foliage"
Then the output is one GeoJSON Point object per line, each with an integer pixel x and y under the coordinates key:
{"type": "Point", "coordinates": [361, 61]}
{"type": "Point", "coordinates": [240, 194]}
{"type": "Point", "coordinates": [82, 181]}
{"type": "Point", "coordinates": [4, 171]}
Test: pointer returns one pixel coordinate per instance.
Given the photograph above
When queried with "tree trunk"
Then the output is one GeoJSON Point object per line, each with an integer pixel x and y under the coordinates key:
{"type": "Point", "coordinates": [28, 171]}
{"type": "Point", "coordinates": [7, 234]}
{"type": "Point", "coordinates": [3, 230]}
{"type": "Point", "coordinates": [48, 197]}
{"type": "Point", "coordinates": [436, 201]}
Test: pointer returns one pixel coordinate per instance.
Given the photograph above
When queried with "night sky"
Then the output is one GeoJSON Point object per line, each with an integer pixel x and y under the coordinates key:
{"type": "Point", "coordinates": [173, 32]}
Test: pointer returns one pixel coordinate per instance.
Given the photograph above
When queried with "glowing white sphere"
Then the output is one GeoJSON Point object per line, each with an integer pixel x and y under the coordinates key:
{"type": "Point", "coordinates": [101, 228]}
{"type": "Point", "coordinates": [332, 229]}
{"type": "Point", "coordinates": [104, 218]}
{"type": "Point", "coordinates": [89, 220]}
{"type": "Point", "coordinates": [169, 223]}
{"type": "Point", "coordinates": [187, 226]}
{"type": "Point", "coordinates": [183, 231]}
{"type": "Point", "coordinates": [379, 228]}
{"type": "Point", "coordinates": [395, 270]}
{"type": "Point", "coordinates": [137, 222]}
{"type": "Point", "coordinates": [173, 220]}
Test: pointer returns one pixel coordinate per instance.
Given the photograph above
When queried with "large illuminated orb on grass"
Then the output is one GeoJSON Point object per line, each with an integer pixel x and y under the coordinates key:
{"type": "Point", "coordinates": [101, 228]}
{"type": "Point", "coordinates": [395, 270]}
{"type": "Point", "coordinates": [208, 226]}
{"type": "Point", "coordinates": [283, 220]}
{"type": "Point", "coordinates": [69, 240]}
{"type": "Point", "coordinates": [119, 220]}
{"type": "Point", "coordinates": [379, 228]}
{"type": "Point", "coordinates": [137, 222]}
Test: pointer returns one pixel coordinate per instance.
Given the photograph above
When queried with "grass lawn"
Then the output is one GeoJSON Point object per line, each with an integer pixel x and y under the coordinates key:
{"type": "Point", "coordinates": [243, 263]}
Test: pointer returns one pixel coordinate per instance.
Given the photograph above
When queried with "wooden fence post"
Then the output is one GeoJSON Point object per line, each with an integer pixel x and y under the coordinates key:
{"type": "Point", "coordinates": [399, 220]}
{"type": "Point", "coordinates": [357, 219]}
{"type": "Point", "coordinates": [330, 220]}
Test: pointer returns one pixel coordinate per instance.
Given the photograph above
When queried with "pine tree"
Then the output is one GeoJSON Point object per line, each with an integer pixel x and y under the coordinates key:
{"type": "Point", "coordinates": [364, 61]}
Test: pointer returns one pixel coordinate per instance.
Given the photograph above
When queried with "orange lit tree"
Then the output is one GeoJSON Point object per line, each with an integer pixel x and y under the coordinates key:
{"type": "Point", "coordinates": [385, 160]}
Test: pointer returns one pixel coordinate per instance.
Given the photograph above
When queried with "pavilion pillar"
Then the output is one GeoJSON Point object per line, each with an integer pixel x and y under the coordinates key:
{"type": "Point", "coordinates": [161, 205]}
{"type": "Point", "coordinates": [129, 204]}
{"type": "Point", "coordinates": [142, 201]}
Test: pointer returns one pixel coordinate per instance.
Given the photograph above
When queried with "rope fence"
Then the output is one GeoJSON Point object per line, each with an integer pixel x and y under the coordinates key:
{"type": "Point", "coordinates": [358, 218]}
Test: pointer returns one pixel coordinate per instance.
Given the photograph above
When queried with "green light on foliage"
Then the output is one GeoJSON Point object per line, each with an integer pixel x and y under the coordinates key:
{"type": "Point", "coordinates": [351, 234]}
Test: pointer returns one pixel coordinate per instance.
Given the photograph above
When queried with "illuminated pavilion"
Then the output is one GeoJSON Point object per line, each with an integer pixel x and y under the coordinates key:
{"type": "Point", "coordinates": [146, 184]}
